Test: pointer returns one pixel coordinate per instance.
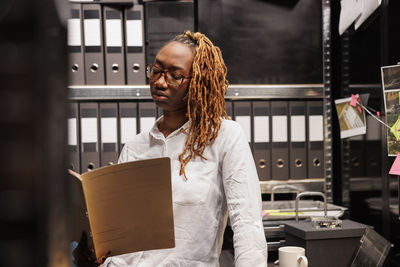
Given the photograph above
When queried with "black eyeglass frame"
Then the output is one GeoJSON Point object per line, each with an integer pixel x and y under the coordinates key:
{"type": "Point", "coordinates": [149, 67]}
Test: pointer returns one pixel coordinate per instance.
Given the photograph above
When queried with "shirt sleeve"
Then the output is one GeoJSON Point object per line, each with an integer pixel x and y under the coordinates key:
{"type": "Point", "coordinates": [123, 157]}
{"type": "Point", "coordinates": [127, 153]}
{"type": "Point", "coordinates": [243, 196]}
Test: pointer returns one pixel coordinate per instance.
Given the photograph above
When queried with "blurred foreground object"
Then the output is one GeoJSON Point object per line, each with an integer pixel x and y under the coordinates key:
{"type": "Point", "coordinates": [33, 192]}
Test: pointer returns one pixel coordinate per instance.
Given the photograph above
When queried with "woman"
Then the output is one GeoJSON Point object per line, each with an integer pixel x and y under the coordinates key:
{"type": "Point", "coordinates": [212, 166]}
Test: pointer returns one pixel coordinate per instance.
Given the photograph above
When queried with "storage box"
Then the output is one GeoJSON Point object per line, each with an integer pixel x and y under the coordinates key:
{"type": "Point", "coordinates": [328, 247]}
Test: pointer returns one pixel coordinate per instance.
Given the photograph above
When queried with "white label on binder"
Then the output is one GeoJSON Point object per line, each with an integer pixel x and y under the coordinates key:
{"type": "Point", "coordinates": [261, 129]}
{"type": "Point", "coordinates": [244, 121]}
{"type": "Point", "coordinates": [128, 129]}
{"type": "Point", "coordinates": [92, 32]}
{"type": "Point", "coordinates": [298, 128]}
{"type": "Point", "coordinates": [316, 128]}
{"type": "Point", "coordinates": [146, 123]}
{"type": "Point", "coordinates": [113, 33]}
{"type": "Point", "coordinates": [279, 128]}
{"type": "Point", "coordinates": [109, 130]}
{"type": "Point", "coordinates": [72, 140]}
{"type": "Point", "coordinates": [89, 130]}
{"type": "Point", "coordinates": [134, 35]}
{"type": "Point", "coordinates": [74, 32]}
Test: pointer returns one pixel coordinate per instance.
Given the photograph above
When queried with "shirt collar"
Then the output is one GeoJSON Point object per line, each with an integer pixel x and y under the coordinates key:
{"type": "Point", "coordinates": [157, 134]}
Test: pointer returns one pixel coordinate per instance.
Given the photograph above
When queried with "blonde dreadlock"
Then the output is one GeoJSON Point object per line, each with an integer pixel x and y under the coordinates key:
{"type": "Point", "coordinates": [205, 98]}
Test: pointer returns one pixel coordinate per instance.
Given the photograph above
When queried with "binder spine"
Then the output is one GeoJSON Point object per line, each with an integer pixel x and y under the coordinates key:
{"type": "Point", "coordinates": [261, 123]}
{"type": "Point", "coordinates": [109, 142]}
{"type": "Point", "coordinates": [90, 157]}
{"type": "Point", "coordinates": [279, 146]}
{"type": "Point", "coordinates": [228, 105]}
{"type": "Point", "coordinates": [298, 151]}
{"type": "Point", "coordinates": [315, 139]}
{"type": "Point", "coordinates": [134, 45]}
{"type": "Point", "coordinates": [242, 115]}
{"type": "Point", "coordinates": [94, 52]}
{"type": "Point", "coordinates": [147, 116]}
{"type": "Point", "coordinates": [76, 75]}
{"type": "Point", "coordinates": [128, 121]}
{"type": "Point", "coordinates": [74, 138]}
{"type": "Point", "coordinates": [114, 49]}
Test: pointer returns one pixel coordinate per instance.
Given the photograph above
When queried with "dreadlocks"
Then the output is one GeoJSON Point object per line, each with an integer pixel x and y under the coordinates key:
{"type": "Point", "coordinates": [205, 97]}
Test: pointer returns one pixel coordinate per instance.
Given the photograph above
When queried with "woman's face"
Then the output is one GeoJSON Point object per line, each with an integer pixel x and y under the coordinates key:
{"type": "Point", "coordinates": [175, 59]}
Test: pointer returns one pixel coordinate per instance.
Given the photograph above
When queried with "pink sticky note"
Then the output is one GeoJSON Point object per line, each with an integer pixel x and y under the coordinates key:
{"type": "Point", "coordinates": [353, 101]}
{"type": "Point", "coordinates": [395, 169]}
{"type": "Point", "coordinates": [263, 213]}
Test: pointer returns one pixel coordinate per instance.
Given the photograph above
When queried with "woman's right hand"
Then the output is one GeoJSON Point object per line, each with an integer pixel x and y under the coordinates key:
{"type": "Point", "coordinates": [83, 255]}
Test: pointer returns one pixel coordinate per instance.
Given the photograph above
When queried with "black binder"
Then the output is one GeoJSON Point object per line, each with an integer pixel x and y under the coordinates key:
{"type": "Point", "coordinates": [242, 115]}
{"type": "Point", "coordinates": [316, 161]}
{"type": "Point", "coordinates": [114, 45]}
{"type": "Point", "coordinates": [73, 137]}
{"type": "Point", "coordinates": [109, 140]}
{"type": "Point", "coordinates": [280, 137]}
{"type": "Point", "coordinates": [134, 45]}
{"type": "Point", "coordinates": [76, 74]}
{"type": "Point", "coordinates": [93, 35]}
{"type": "Point", "coordinates": [147, 115]}
{"type": "Point", "coordinates": [229, 108]}
{"type": "Point", "coordinates": [90, 158]}
{"type": "Point", "coordinates": [261, 151]}
{"type": "Point", "coordinates": [298, 148]}
{"type": "Point", "coordinates": [128, 121]}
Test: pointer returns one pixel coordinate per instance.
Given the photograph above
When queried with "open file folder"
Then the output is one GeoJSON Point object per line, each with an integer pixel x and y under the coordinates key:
{"type": "Point", "coordinates": [129, 206]}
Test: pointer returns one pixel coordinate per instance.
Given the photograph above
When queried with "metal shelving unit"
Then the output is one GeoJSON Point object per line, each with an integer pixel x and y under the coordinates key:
{"type": "Point", "coordinates": [326, 58]}
{"type": "Point", "coordinates": [237, 92]}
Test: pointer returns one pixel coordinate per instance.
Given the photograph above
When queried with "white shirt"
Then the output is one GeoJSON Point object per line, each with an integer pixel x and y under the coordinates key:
{"type": "Point", "coordinates": [226, 180]}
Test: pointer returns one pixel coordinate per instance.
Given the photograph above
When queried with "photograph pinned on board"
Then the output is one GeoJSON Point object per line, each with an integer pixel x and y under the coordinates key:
{"type": "Point", "coordinates": [351, 118]}
{"type": "Point", "coordinates": [390, 77]}
{"type": "Point", "coordinates": [392, 108]}
{"type": "Point", "coordinates": [391, 90]}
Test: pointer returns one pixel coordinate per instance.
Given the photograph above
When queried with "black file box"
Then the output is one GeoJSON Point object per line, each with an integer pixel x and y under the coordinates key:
{"type": "Point", "coordinates": [328, 247]}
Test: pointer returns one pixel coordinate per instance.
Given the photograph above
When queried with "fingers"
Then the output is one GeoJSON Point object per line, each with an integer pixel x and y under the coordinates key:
{"type": "Point", "coordinates": [83, 255]}
{"type": "Point", "coordinates": [103, 258]}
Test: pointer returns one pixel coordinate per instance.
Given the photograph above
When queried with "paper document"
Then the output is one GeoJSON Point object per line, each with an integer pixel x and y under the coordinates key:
{"type": "Point", "coordinates": [357, 12]}
{"type": "Point", "coordinates": [369, 6]}
{"type": "Point", "coordinates": [130, 206]}
{"type": "Point", "coordinates": [350, 11]}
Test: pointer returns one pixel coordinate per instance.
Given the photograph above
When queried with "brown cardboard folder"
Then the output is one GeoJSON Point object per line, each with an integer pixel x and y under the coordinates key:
{"type": "Point", "coordinates": [130, 206]}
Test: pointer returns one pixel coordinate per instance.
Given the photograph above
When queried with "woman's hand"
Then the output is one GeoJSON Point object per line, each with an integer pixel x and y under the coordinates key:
{"type": "Point", "coordinates": [85, 256]}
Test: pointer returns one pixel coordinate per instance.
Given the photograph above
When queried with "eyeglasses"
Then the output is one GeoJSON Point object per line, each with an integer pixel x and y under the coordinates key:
{"type": "Point", "coordinates": [172, 79]}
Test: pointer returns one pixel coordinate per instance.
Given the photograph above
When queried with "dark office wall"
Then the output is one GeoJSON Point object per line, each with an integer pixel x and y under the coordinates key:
{"type": "Point", "coordinates": [266, 41]}
{"type": "Point", "coordinates": [32, 123]}
{"type": "Point", "coordinates": [366, 45]}
{"type": "Point", "coordinates": [165, 20]}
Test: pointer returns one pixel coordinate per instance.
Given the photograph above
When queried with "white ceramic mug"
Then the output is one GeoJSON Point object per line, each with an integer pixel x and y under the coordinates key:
{"type": "Point", "coordinates": [292, 257]}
